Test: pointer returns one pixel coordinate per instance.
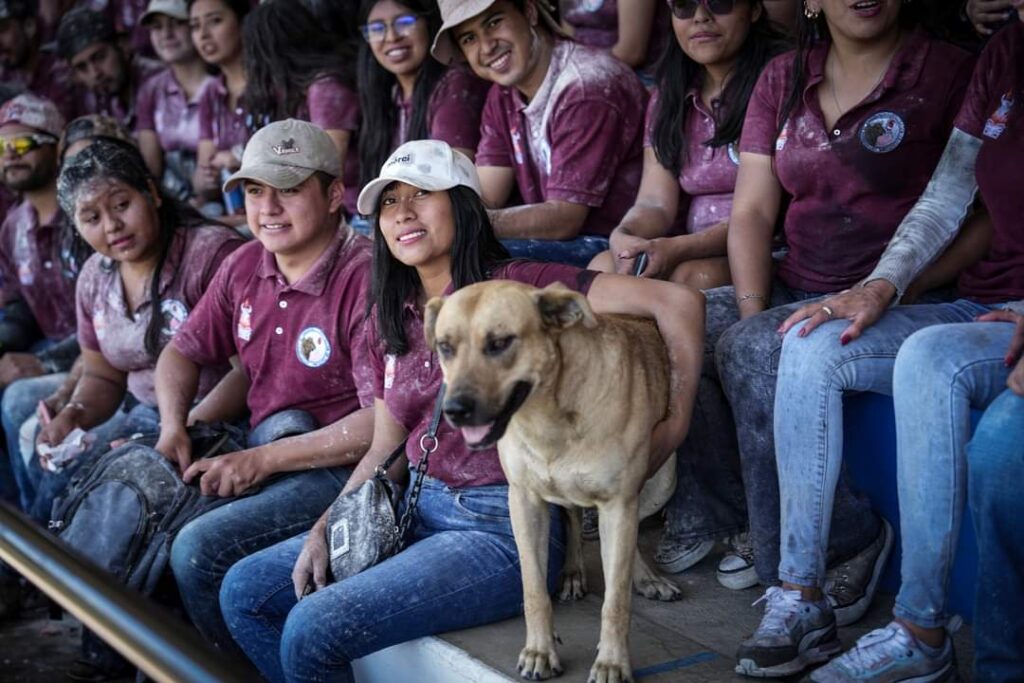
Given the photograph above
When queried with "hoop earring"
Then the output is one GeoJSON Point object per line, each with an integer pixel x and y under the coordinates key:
{"type": "Point", "coordinates": [809, 13]}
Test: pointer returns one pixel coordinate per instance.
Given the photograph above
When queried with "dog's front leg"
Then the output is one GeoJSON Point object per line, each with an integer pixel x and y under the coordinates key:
{"type": "Point", "coordinates": [618, 522]}
{"type": "Point", "coordinates": [531, 525]}
{"type": "Point", "coordinates": [574, 576]}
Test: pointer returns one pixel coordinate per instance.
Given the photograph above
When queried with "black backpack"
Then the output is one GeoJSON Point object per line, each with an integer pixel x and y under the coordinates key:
{"type": "Point", "coordinates": [123, 510]}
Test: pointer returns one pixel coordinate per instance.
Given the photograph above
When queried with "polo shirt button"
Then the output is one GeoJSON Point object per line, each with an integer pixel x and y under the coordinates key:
{"type": "Point", "coordinates": [47, 264]}
{"type": "Point", "coordinates": [279, 330]}
{"type": "Point", "coordinates": [837, 132]}
{"type": "Point", "coordinates": [282, 304]}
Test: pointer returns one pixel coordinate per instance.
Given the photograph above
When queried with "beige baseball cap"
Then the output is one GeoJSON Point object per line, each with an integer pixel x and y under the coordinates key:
{"type": "Point", "coordinates": [285, 153]}
{"type": "Point", "coordinates": [427, 164]}
{"type": "Point", "coordinates": [176, 9]}
{"type": "Point", "coordinates": [454, 12]}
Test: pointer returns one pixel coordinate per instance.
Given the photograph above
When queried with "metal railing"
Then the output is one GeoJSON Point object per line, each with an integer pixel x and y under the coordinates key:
{"type": "Point", "coordinates": [148, 636]}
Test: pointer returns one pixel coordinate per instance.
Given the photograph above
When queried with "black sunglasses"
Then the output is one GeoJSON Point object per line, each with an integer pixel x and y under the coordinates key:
{"type": "Point", "coordinates": [686, 9]}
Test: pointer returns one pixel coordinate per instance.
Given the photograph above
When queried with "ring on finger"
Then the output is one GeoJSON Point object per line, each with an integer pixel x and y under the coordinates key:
{"type": "Point", "coordinates": [828, 312]}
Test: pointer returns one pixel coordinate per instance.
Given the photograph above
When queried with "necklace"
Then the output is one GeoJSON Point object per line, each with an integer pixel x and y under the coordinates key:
{"type": "Point", "coordinates": [885, 69]}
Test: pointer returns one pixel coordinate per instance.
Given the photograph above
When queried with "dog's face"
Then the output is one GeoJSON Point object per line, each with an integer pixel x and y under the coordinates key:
{"type": "Point", "coordinates": [496, 341]}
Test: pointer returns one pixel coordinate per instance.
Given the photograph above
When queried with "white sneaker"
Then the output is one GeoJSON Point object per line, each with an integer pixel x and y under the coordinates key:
{"type": "Point", "coordinates": [736, 568]}
{"type": "Point", "coordinates": [888, 655]}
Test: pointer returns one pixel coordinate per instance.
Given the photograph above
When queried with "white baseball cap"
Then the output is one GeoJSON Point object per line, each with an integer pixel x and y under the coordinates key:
{"type": "Point", "coordinates": [427, 164]}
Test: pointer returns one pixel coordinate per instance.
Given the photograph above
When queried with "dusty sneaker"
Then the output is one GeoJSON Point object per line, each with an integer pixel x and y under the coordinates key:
{"type": "Point", "coordinates": [890, 654]}
{"type": "Point", "coordinates": [673, 557]}
{"type": "Point", "coordinates": [793, 634]}
{"type": "Point", "coordinates": [736, 568]}
{"type": "Point", "coordinates": [850, 586]}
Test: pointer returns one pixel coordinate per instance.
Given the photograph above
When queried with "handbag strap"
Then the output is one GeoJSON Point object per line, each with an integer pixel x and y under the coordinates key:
{"type": "Point", "coordinates": [428, 444]}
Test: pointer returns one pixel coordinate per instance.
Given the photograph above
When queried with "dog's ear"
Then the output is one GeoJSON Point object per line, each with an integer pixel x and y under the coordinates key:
{"type": "Point", "coordinates": [430, 314]}
{"type": "Point", "coordinates": [561, 307]}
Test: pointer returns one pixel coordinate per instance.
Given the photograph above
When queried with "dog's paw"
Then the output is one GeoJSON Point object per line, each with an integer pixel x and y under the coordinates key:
{"type": "Point", "coordinates": [655, 587]}
{"type": "Point", "coordinates": [574, 586]}
{"type": "Point", "coordinates": [610, 672]}
{"type": "Point", "coordinates": [537, 664]}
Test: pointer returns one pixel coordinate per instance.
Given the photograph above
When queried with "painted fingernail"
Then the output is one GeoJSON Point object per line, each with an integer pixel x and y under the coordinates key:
{"type": "Point", "coordinates": [802, 333]}
{"type": "Point", "coordinates": [1008, 361]}
{"type": "Point", "coordinates": [844, 340]}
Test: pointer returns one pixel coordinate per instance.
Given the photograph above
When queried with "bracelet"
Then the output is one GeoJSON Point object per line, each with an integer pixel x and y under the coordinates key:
{"type": "Point", "coordinates": [77, 405]}
{"type": "Point", "coordinates": [746, 297]}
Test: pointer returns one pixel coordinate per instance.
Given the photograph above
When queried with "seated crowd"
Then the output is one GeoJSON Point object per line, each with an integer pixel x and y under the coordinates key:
{"type": "Point", "coordinates": [230, 211]}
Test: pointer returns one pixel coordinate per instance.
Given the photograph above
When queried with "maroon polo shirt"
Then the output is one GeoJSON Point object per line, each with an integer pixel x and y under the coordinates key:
{"type": "Point", "coordinates": [579, 140]}
{"type": "Point", "coordinates": [106, 326]}
{"type": "Point", "coordinates": [31, 269]}
{"type": "Point", "coordinates": [50, 78]}
{"type": "Point", "coordinates": [300, 344]}
{"type": "Point", "coordinates": [994, 112]}
{"type": "Point", "coordinates": [408, 384]}
{"type": "Point", "coordinates": [141, 69]}
{"type": "Point", "coordinates": [332, 105]}
{"type": "Point", "coordinates": [163, 108]}
{"type": "Point", "coordinates": [453, 112]}
{"type": "Point", "coordinates": [707, 175]}
{"type": "Point", "coordinates": [225, 126]}
{"type": "Point", "coordinates": [852, 185]}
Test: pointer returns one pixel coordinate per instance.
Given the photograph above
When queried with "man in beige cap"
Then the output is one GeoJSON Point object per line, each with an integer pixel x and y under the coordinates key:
{"type": "Point", "coordinates": [167, 106]}
{"type": "Point", "coordinates": [563, 124]}
{"type": "Point", "coordinates": [290, 307]}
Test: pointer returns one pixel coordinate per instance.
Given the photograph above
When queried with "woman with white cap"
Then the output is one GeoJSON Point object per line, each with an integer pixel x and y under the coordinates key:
{"type": "Point", "coordinates": [460, 568]}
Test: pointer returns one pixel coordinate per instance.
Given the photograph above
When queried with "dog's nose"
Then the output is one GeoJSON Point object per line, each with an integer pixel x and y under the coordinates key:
{"type": "Point", "coordinates": [459, 408]}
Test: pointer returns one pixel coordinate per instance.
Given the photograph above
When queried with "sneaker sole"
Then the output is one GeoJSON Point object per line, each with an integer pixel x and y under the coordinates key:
{"type": "Point", "coordinates": [856, 610]}
{"type": "Point", "coordinates": [815, 655]}
{"type": "Point", "coordinates": [738, 580]}
{"type": "Point", "coordinates": [948, 674]}
{"type": "Point", "coordinates": [683, 563]}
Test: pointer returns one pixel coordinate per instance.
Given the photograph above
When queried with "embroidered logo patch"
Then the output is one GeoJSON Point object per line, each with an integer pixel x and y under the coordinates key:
{"type": "Point", "coordinates": [996, 124]}
{"type": "Point", "coordinates": [285, 147]}
{"type": "Point", "coordinates": [780, 142]}
{"type": "Point", "coordinates": [389, 370]}
{"type": "Point", "coordinates": [882, 132]}
{"type": "Point", "coordinates": [26, 275]}
{"type": "Point", "coordinates": [245, 321]}
{"type": "Point", "coordinates": [174, 313]}
{"type": "Point", "coordinates": [734, 153]}
{"type": "Point", "coordinates": [312, 347]}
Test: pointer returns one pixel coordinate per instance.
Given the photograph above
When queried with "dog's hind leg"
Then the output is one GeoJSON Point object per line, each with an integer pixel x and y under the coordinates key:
{"type": "Point", "coordinates": [574, 576]}
{"type": "Point", "coordinates": [618, 523]}
{"type": "Point", "coordinates": [531, 526]}
{"type": "Point", "coordinates": [651, 584]}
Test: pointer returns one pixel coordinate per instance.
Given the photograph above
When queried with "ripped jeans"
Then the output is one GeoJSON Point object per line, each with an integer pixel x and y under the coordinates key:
{"type": "Point", "coordinates": [460, 570]}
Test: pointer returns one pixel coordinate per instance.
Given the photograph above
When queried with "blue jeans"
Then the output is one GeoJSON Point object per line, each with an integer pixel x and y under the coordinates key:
{"type": "Point", "coordinates": [921, 356]}
{"type": "Point", "coordinates": [209, 545]}
{"type": "Point", "coordinates": [460, 570]}
{"type": "Point", "coordinates": [995, 464]}
{"type": "Point", "coordinates": [19, 403]}
{"type": "Point", "coordinates": [576, 252]}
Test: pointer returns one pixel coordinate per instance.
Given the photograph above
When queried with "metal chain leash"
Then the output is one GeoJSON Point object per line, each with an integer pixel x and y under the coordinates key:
{"type": "Point", "coordinates": [428, 444]}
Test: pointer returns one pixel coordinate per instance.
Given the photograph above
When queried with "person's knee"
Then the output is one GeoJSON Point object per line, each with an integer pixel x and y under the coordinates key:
{"type": "Point", "coordinates": [924, 360]}
{"type": "Point", "coordinates": [602, 263]}
{"type": "Point", "coordinates": [315, 641]}
{"type": "Point", "coordinates": [191, 552]}
{"type": "Point", "coordinates": [238, 591]}
{"type": "Point", "coordinates": [750, 346]}
{"type": "Point", "coordinates": [17, 401]}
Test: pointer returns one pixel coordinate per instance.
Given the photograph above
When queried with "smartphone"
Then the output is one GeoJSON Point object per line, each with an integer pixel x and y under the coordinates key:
{"type": "Point", "coordinates": [640, 265]}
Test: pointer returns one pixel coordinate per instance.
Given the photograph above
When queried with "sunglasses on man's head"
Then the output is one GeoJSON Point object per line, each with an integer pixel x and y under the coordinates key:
{"type": "Point", "coordinates": [23, 144]}
{"type": "Point", "coordinates": [377, 31]}
{"type": "Point", "coordinates": [687, 9]}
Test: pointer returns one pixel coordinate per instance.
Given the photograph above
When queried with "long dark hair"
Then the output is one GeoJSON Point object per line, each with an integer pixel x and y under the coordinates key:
{"type": "Point", "coordinates": [677, 73]}
{"type": "Point", "coordinates": [376, 93]}
{"type": "Point", "coordinates": [115, 160]}
{"type": "Point", "coordinates": [475, 252]}
{"type": "Point", "coordinates": [810, 31]}
{"type": "Point", "coordinates": [285, 50]}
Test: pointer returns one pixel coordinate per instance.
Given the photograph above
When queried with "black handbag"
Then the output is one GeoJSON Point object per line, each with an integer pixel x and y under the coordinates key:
{"type": "Point", "coordinates": [363, 526]}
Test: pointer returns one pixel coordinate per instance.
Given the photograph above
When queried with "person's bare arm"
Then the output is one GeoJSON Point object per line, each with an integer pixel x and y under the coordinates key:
{"type": "Point", "coordinates": [205, 179]}
{"type": "Point", "coordinates": [755, 210]}
{"type": "Point", "coordinates": [177, 383]}
{"type": "Point", "coordinates": [636, 23]}
{"type": "Point", "coordinates": [95, 399]}
{"type": "Point", "coordinates": [152, 152]}
{"type": "Point", "coordinates": [341, 139]}
{"type": "Point", "coordinates": [342, 443]}
{"type": "Point", "coordinates": [679, 314]}
{"type": "Point", "coordinates": [550, 220]}
{"type": "Point", "coordinates": [986, 13]}
{"type": "Point", "coordinates": [496, 185]}
{"type": "Point", "coordinates": [227, 400]}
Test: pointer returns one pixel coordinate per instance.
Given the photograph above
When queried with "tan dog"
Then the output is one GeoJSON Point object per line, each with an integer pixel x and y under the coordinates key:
{"type": "Point", "coordinates": [571, 400]}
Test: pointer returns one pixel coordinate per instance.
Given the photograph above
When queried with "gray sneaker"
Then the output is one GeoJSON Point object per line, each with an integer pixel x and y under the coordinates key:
{"type": "Point", "coordinates": [673, 557]}
{"type": "Point", "coordinates": [888, 655]}
{"type": "Point", "coordinates": [850, 586]}
{"type": "Point", "coordinates": [736, 568]}
{"type": "Point", "coordinates": [793, 635]}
